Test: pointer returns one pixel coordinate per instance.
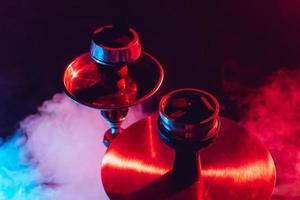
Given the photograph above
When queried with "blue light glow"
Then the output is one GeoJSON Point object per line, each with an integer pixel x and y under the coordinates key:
{"type": "Point", "coordinates": [19, 177]}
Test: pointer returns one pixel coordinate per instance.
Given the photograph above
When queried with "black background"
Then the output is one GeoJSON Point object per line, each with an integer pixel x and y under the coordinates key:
{"type": "Point", "coordinates": [191, 38]}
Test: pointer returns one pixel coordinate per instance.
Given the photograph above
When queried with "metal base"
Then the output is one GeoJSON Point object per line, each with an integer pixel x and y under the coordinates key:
{"type": "Point", "coordinates": [138, 165]}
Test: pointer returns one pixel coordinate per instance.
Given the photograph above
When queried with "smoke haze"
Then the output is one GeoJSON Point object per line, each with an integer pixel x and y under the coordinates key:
{"type": "Point", "coordinates": [272, 112]}
{"type": "Point", "coordinates": [64, 143]}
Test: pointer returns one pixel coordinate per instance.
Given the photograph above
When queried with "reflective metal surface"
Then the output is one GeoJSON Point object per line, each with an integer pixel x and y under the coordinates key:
{"type": "Point", "coordinates": [114, 119]}
{"type": "Point", "coordinates": [104, 87]}
{"type": "Point", "coordinates": [115, 44]}
{"type": "Point", "coordinates": [188, 119]}
{"type": "Point", "coordinates": [138, 165]}
{"type": "Point", "coordinates": [115, 75]}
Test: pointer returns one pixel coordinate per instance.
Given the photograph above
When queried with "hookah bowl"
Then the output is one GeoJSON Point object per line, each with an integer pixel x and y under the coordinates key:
{"type": "Point", "coordinates": [113, 76]}
{"type": "Point", "coordinates": [187, 151]}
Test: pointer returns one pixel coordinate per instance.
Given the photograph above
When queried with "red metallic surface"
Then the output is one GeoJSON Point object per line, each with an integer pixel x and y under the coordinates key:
{"type": "Point", "coordinates": [137, 165]}
{"type": "Point", "coordinates": [112, 87]}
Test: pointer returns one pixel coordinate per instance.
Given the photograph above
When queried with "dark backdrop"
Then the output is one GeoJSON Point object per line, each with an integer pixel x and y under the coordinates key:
{"type": "Point", "coordinates": [192, 39]}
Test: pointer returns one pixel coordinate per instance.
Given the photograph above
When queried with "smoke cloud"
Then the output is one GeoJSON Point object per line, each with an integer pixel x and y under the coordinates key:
{"type": "Point", "coordinates": [59, 155]}
{"type": "Point", "coordinates": [273, 113]}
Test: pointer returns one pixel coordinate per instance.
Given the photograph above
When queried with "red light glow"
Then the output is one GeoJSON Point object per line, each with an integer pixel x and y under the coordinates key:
{"type": "Point", "coordinates": [249, 172]}
{"type": "Point", "coordinates": [99, 86]}
{"type": "Point", "coordinates": [113, 160]}
{"type": "Point", "coordinates": [152, 149]}
{"type": "Point", "coordinates": [77, 77]}
{"type": "Point", "coordinates": [253, 171]}
{"type": "Point", "coordinates": [272, 113]}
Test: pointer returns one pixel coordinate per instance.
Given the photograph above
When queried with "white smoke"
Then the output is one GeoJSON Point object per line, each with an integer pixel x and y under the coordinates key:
{"type": "Point", "coordinates": [65, 139]}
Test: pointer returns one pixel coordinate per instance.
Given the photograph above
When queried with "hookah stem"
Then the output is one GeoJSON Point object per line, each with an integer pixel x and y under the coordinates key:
{"type": "Point", "coordinates": [186, 166]}
{"type": "Point", "coordinates": [115, 118]}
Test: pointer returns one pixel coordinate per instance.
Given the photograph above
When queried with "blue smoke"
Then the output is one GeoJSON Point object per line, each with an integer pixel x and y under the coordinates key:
{"type": "Point", "coordinates": [19, 177]}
